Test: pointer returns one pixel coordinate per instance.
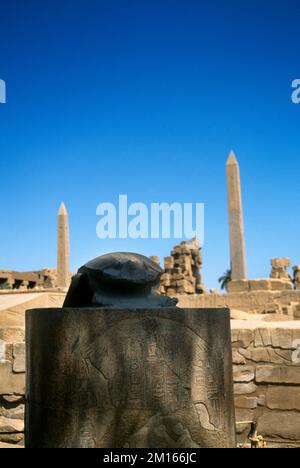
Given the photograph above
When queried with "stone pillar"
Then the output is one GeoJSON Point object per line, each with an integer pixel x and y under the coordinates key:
{"type": "Point", "coordinates": [118, 378]}
{"type": "Point", "coordinates": [236, 223]}
{"type": "Point", "coordinates": [63, 249]}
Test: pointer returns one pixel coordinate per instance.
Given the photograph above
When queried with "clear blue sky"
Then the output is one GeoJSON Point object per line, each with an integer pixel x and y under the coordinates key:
{"type": "Point", "coordinates": [147, 98]}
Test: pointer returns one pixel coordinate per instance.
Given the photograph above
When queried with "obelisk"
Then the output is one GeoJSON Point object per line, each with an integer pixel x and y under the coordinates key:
{"type": "Point", "coordinates": [63, 248]}
{"type": "Point", "coordinates": [236, 222]}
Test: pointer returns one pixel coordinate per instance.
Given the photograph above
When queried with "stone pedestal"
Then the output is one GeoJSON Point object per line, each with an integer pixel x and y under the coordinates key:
{"type": "Point", "coordinates": [158, 378]}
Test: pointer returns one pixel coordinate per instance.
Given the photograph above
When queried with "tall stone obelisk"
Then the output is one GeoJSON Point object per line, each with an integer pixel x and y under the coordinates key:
{"type": "Point", "coordinates": [63, 248]}
{"type": "Point", "coordinates": [236, 222]}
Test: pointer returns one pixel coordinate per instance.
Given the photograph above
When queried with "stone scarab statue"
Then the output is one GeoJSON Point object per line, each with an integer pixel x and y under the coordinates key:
{"type": "Point", "coordinates": [118, 280]}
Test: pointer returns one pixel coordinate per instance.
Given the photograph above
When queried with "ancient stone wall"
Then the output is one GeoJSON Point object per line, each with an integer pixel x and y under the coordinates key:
{"type": "Point", "coordinates": [15, 280]}
{"type": "Point", "coordinates": [12, 385]}
{"type": "Point", "coordinates": [255, 302]}
{"type": "Point", "coordinates": [266, 365]}
{"type": "Point", "coordinates": [182, 273]}
{"type": "Point", "coordinates": [266, 370]}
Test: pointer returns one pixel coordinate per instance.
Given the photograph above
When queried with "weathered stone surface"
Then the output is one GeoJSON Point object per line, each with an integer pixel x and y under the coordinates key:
{"type": "Point", "coordinates": [279, 268]}
{"type": "Point", "coordinates": [284, 375]}
{"type": "Point", "coordinates": [13, 398]}
{"type": "Point", "coordinates": [11, 425]}
{"type": "Point", "coordinates": [244, 388]}
{"type": "Point", "coordinates": [19, 357]}
{"type": "Point", "coordinates": [11, 383]}
{"type": "Point", "coordinates": [238, 286]}
{"type": "Point", "coordinates": [282, 338]}
{"type": "Point", "coordinates": [243, 374]}
{"type": "Point", "coordinates": [9, 446]}
{"type": "Point", "coordinates": [283, 398]}
{"type": "Point", "coordinates": [13, 413]}
{"type": "Point", "coordinates": [283, 424]}
{"type": "Point", "coordinates": [12, 334]}
{"type": "Point", "coordinates": [242, 337]}
{"type": "Point", "coordinates": [237, 358]}
{"type": "Point", "coordinates": [117, 378]}
{"type": "Point", "coordinates": [280, 285]}
{"type": "Point", "coordinates": [12, 438]}
{"type": "Point", "coordinates": [261, 400]}
{"type": "Point", "coordinates": [260, 285]}
{"type": "Point", "coordinates": [183, 270]}
{"type": "Point", "coordinates": [267, 355]}
{"type": "Point", "coordinates": [246, 402]}
{"type": "Point", "coordinates": [263, 337]}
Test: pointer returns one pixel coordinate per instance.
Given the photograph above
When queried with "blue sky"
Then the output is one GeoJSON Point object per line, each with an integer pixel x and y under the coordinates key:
{"type": "Point", "coordinates": [147, 98]}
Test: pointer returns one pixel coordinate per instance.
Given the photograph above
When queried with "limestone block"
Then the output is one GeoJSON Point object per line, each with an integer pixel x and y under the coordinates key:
{"type": "Point", "coordinates": [4, 445]}
{"type": "Point", "coordinates": [283, 424]}
{"type": "Point", "coordinates": [6, 351]}
{"type": "Point", "coordinates": [242, 337]}
{"type": "Point", "coordinates": [237, 358]}
{"type": "Point", "coordinates": [11, 383]}
{"type": "Point", "coordinates": [283, 398]}
{"type": "Point", "coordinates": [244, 388]}
{"type": "Point", "coordinates": [11, 425]}
{"type": "Point", "coordinates": [260, 285]}
{"type": "Point", "coordinates": [19, 357]}
{"type": "Point", "coordinates": [262, 337]}
{"type": "Point", "coordinates": [261, 401]}
{"type": "Point", "coordinates": [12, 438]}
{"type": "Point", "coordinates": [238, 286]}
{"type": "Point", "coordinates": [13, 398]}
{"type": "Point", "coordinates": [283, 338]}
{"type": "Point", "coordinates": [243, 374]}
{"type": "Point", "coordinates": [13, 413]}
{"type": "Point", "coordinates": [12, 334]}
{"type": "Point", "coordinates": [268, 355]}
{"type": "Point", "coordinates": [246, 402]}
{"type": "Point", "coordinates": [169, 263]}
{"type": "Point", "coordinates": [280, 284]}
{"type": "Point", "coordinates": [278, 375]}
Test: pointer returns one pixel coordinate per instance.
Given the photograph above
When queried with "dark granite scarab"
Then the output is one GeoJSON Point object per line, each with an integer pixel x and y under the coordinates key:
{"type": "Point", "coordinates": [119, 280]}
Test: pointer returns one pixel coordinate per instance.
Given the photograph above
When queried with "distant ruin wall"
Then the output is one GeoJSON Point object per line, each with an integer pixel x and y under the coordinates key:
{"type": "Point", "coordinates": [266, 370]}
{"type": "Point", "coordinates": [266, 365]}
{"type": "Point", "coordinates": [255, 302]}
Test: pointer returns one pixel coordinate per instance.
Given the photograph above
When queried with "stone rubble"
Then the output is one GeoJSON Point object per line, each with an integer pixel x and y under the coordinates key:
{"type": "Point", "coordinates": [183, 270]}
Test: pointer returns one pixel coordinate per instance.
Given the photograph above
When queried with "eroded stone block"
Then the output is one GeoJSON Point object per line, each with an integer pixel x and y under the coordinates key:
{"type": "Point", "coordinates": [129, 378]}
{"type": "Point", "coordinates": [283, 424]}
{"type": "Point", "coordinates": [19, 357]}
{"type": "Point", "coordinates": [260, 285]}
{"type": "Point", "coordinates": [244, 388]}
{"type": "Point", "coordinates": [11, 383]}
{"type": "Point", "coordinates": [283, 398]}
{"type": "Point", "coordinates": [280, 375]}
{"type": "Point", "coordinates": [238, 286]}
{"type": "Point", "coordinates": [243, 374]}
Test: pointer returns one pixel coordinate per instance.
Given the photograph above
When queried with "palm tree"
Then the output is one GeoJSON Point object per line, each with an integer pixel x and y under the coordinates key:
{"type": "Point", "coordinates": [5, 285]}
{"type": "Point", "coordinates": [225, 279]}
